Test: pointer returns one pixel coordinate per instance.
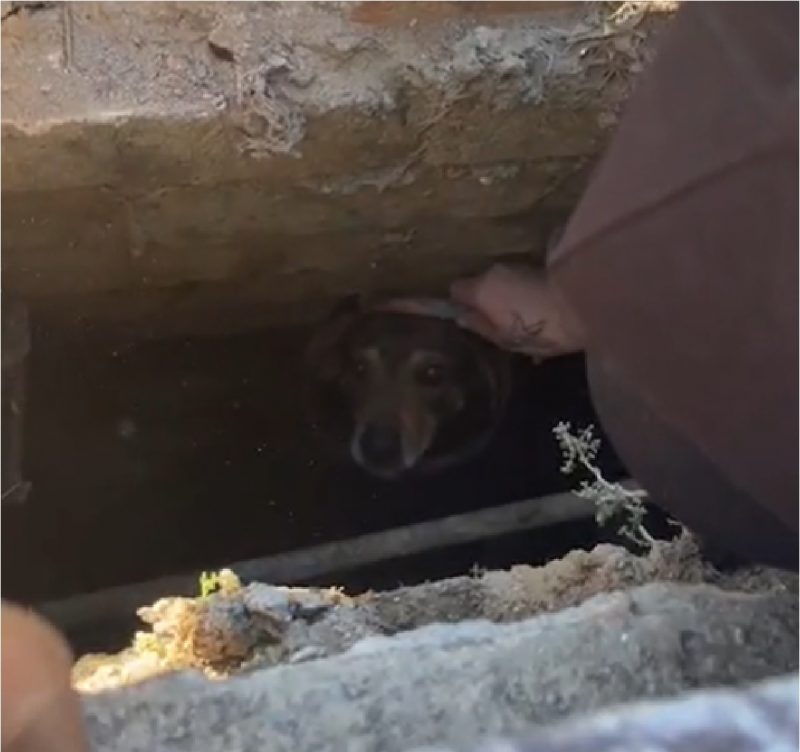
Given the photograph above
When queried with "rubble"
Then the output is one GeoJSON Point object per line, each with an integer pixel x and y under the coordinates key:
{"type": "Point", "coordinates": [453, 684]}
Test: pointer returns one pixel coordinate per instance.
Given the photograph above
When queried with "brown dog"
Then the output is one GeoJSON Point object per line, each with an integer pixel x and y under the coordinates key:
{"type": "Point", "coordinates": [402, 391]}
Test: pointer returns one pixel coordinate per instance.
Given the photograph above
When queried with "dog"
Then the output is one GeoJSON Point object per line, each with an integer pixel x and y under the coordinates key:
{"type": "Point", "coordinates": [402, 388]}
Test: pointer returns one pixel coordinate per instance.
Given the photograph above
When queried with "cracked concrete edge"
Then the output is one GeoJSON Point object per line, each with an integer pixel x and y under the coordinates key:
{"type": "Point", "coordinates": [454, 684]}
{"type": "Point", "coordinates": [250, 157]}
{"type": "Point", "coordinates": [762, 717]}
{"type": "Point", "coordinates": [183, 58]}
{"type": "Point", "coordinates": [150, 90]}
{"type": "Point", "coordinates": [148, 102]}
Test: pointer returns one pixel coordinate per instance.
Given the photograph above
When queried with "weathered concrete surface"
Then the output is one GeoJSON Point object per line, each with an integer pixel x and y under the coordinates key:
{"type": "Point", "coordinates": [759, 718]}
{"type": "Point", "coordinates": [454, 684]}
{"type": "Point", "coordinates": [169, 160]}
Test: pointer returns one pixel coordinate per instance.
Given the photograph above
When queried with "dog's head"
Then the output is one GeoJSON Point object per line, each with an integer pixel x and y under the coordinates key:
{"type": "Point", "coordinates": [404, 392]}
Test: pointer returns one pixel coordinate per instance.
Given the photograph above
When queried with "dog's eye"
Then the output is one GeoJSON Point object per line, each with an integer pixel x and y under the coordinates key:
{"type": "Point", "coordinates": [432, 375]}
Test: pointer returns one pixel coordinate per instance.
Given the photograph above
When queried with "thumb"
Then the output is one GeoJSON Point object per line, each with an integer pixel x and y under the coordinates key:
{"type": "Point", "coordinates": [41, 711]}
{"type": "Point", "coordinates": [478, 323]}
{"type": "Point", "coordinates": [465, 291]}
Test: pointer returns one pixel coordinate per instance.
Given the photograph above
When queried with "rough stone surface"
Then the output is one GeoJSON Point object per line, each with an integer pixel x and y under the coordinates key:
{"type": "Point", "coordinates": [759, 718]}
{"type": "Point", "coordinates": [243, 628]}
{"type": "Point", "coordinates": [454, 684]}
{"type": "Point", "coordinates": [168, 159]}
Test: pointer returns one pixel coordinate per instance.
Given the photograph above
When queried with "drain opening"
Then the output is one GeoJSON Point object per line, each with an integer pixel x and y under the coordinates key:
{"type": "Point", "coordinates": [151, 459]}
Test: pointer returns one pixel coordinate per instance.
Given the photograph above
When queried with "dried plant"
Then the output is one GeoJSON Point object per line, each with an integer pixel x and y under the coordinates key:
{"type": "Point", "coordinates": [611, 500]}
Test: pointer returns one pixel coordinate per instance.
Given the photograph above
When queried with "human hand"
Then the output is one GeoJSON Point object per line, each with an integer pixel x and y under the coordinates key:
{"type": "Point", "coordinates": [41, 711]}
{"type": "Point", "coordinates": [518, 310]}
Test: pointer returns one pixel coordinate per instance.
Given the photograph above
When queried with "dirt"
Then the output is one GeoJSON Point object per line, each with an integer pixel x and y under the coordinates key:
{"type": "Point", "coordinates": [240, 628]}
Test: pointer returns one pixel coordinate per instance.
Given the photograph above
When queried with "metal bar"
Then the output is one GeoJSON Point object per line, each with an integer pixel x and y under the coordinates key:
{"type": "Point", "coordinates": [294, 567]}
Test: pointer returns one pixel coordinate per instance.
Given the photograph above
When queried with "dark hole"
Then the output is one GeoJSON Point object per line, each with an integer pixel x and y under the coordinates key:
{"type": "Point", "coordinates": [155, 458]}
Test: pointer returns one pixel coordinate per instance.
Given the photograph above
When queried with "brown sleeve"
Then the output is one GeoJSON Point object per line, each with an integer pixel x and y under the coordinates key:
{"type": "Point", "coordinates": [681, 263]}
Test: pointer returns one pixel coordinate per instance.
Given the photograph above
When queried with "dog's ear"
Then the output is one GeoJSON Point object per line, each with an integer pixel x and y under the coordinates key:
{"type": "Point", "coordinates": [323, 353]}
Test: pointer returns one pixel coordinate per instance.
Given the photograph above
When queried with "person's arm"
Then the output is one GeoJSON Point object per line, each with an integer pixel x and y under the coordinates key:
{"type": "Point", "coordinates": [681, 264]}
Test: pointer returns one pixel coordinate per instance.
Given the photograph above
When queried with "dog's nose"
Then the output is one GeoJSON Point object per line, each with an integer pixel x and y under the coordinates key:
{"type": "Point", "coordinates": [381, 445]}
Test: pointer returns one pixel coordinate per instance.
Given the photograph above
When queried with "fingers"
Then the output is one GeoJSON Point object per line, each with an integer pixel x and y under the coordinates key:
{"type": "Point", "coordinates": [493, 303]}
{"type": "Point", "coordinates": [465, 291]}
{"type": "Point", "coordinates": [476, 322]}
{"type": "Point", "coordinates": [516, 309]}
{"type": "Point", "coordinates": [41, 711]}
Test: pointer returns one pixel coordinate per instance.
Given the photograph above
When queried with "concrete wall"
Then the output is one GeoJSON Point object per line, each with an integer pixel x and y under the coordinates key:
{"type": "Point", "coordinates": [186, 167]}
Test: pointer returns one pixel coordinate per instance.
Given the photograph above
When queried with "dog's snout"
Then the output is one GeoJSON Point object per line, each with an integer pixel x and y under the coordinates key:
{"type": "Point", "coordinates": [381, 445]}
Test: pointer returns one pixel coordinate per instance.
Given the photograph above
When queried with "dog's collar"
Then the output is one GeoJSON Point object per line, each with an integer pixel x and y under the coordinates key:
{"type": "Point", "coordinates": [440, 308]}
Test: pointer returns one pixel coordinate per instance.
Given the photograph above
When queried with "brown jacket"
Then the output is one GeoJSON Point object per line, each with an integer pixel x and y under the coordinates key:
{"type": "Point", "coordinates": [681, 263]}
